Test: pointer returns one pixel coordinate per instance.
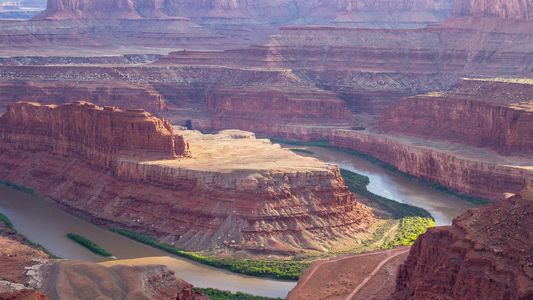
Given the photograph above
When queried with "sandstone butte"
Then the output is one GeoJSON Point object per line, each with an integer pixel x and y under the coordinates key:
{"type": "Point", "coordinates": [217, 193]}
{"type": "Point", "coordinates": [29, 274]}
{"type": "Point", "coordinates": [486, 253]}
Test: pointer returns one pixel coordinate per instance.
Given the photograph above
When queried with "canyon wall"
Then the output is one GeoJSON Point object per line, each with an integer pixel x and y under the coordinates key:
{"type": "Point", "coordinates": [507, 9]}
{"type": "Point", "coordinates": [488, 114]}
{"type": "Point", "coordinates": [485, 254]}
{"type": "Point", "coordinates": [119, 169]}
{"type": "Point", "coordinates": [89, 132]}
{"type": "Point", "coordinates": [471, 171]}
{"type": "Point", "coordinates": [102, 93]}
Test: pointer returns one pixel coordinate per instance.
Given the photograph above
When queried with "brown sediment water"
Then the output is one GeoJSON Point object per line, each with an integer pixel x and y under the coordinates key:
{"type": "Point", "coordinates": [46, 224]}
{"type": "Point", "coordinates": [444, 208]}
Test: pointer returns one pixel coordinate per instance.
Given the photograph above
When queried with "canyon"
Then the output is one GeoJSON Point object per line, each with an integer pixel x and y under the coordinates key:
{"type": "Point", "coordinates": [487, 246]}
{"type": "Point", "coordinates": [112, 26]}
{"type": "Point", "coordinates": [221, 194]}
{"type": "Point", "coordinates": [485, 253]}
{"type": "Point", "coordinates": [30, 274]}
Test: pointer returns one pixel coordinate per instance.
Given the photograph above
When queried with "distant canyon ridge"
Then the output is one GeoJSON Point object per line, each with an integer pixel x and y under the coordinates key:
{"type": "Point", "coordinates": [396, 93]}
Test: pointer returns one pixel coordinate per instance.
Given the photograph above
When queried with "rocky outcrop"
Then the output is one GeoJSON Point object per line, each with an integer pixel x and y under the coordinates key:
{"type": "Point", "coordinates": [507, 9]}
{"type": "Point", "coordinates": [485, 254]}
{"type": "Point", "coordinates": [235, 193]}
{"type": "Point", "coordinates": [103, 93]}
{"type": "Point", "coordinates": [488, 114]}
{"type": "Point", "coordinates": [84, 280]}
{"type": "Point", "coordinates": [469, 170]}
{"type": "Point", "coordinates": [98, 135]}
{"type": "Point", "coordinates": [25, 294]}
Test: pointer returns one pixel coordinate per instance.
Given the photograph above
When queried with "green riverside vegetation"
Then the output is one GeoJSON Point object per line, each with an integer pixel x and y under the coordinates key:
{"type": "Point", "coordinates": [9, 224]}
{"type": "Point", "coordinates": [437, 186]}
{"type": "Point", "coordinates": [215, 294]}
{"type": "Point", "coordinates": [288, 270]}
{"type": "Point", "coordinates": [302, 150]}
{"type": "Point", "coordinates": [19, 188]}
{"type": "Point", "coordinates": [94, 248]}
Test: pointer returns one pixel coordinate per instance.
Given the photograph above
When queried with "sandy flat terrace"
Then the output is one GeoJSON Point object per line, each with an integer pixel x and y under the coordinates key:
{"type": "Point", "coordinates": [467, 153]}
{"type": "Point", "coordinates": [232, 150]}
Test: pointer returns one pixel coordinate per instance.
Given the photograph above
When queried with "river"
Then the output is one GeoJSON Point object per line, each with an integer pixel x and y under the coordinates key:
{"type": "Point", "coordinates": [46, 224]}
{"type": "Point", "coordinates": [444, 208]}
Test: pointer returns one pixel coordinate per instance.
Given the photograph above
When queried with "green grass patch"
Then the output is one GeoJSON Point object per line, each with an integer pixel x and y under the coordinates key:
{"type": "Point", "coordinates": [19, 188]}
{"type": "Point", "coordinates": [302, 150]}
{"type": "Point", "coordinates": [216, 294]}
{"type": "Point", "coordinates": [94, 248]}
{"type": "Point", "coordinates": [9, 224]}
{"type": "Point", "coordinates": [410, 229]}
{"type": "Point", "coordinates": [387, 166]}
{"type": "Point", "coordinates": [287, 270]}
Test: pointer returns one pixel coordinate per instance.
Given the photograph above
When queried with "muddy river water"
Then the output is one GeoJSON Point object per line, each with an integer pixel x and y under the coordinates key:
{"type": "Point", "coordinates": [46, 224]}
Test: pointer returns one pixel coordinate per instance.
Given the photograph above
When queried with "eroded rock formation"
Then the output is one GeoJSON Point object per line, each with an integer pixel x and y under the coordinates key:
{"type": "Point", "coordinates": [482, 113]}
{"type": "Point", "coordinates": [98, 135]}
{"type": "Point", "coordinates": [85, 280]}
{"type": "Point", "coordinates": [235, 193]}
{"type": "Point", "coordinates": [485, 254]}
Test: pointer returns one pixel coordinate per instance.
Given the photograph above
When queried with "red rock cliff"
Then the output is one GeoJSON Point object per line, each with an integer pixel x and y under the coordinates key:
{"type": "Point", "coordinates": [236, 193]}
{"type": "Point", "coordinates": [85, 130]}
{"type": "Point", "coordinates": [488, 114]}
{"type": "Point", "coordinates": [485, 254]}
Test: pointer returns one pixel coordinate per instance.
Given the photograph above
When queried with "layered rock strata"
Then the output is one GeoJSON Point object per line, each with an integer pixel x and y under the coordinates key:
{"type": "Point", "coordinates": [473, 171]}
{"type": "Point", "coordinates": [235, 193]}
{"type": "Point", "coordinates": [482, 113]}
{"type": "Point", "coordinates": [103, 93]}
{"type": "Point", "coordinates": [84, 280]}
{"type": "Point", "coordinates": [86, 131]}
{"type": "Point", "coordinates": [485, 254]}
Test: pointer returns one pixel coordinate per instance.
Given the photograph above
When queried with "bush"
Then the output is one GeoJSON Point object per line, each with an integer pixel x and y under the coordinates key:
{"type": "Point", "coordinates": [19, 188]}
{"type": "Point", "coordinates": [288, 270]}
{"type": "Point", "coordinates": [301, 150]}
{"type": "Point", "coordinates": [94, 248]}
{"type": "Point", "coordinates": [215, 294]}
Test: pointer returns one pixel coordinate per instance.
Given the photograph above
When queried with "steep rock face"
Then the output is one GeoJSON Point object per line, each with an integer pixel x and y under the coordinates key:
{"type": "Point", "coordinates": [507, 9]}
{"type": "Point", "coordinates": [468, 170]}
{"type": "Point", "coordinates": [485, 254]}
{"type": "Point", "coordinates": [93, 133]}
{"type": "Point", "coordinates": [236, 193]}
{"type": "Point", "coordinates": [488, 114]}
{"type": "Point", "coordinates": [253, 109]}
{"type": "Point", "coordinates": [489, 47]}
{"type": "Point", "coordinates": [120, 94]}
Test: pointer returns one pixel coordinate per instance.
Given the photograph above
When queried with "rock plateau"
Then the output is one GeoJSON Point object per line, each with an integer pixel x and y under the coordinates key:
{"type": "Point", "coordinates": [216, 193]}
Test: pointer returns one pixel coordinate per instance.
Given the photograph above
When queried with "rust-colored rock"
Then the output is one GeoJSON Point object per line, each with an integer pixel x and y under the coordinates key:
{"type": "Point", "coordinates": [25, 294]}
{"type": "Point", "coordinates": [102, 93]}
{"type": "Point", "coordinates": [85, 280]}
{"type": "Point", "coordinates": [98, 135]}
{"type": "Point", "coordinates": [235, 193]}
{"type": "Point", "coordinates": [488, 114]}
{"type": "Point", "coordinates": [485, 254]}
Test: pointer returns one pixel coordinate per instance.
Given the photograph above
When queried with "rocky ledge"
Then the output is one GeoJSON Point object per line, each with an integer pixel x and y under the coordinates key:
{"type": "Point", "coordinates": [485, 254]}
{"type": "Point", "coordinates": [487, 113]}
{"type": "Point", "coordinates": [229, 192]}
